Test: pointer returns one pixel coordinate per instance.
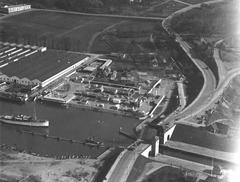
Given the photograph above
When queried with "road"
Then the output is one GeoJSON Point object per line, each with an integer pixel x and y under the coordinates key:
{"type": "Point", "coordinates": [221, 69]}
{"type": "Point", "coordinates": [208, 93]}
{"type": "Point", "coordinates": [125, 162]}
{"type": "Point", "coordinates": [88, 14]}
{"type": "Point", "coordinates": [214, 95]}
{"type": "Point", "coordinates": [122, 167]}
{"type": "Point", "coordinates": [103, 15]}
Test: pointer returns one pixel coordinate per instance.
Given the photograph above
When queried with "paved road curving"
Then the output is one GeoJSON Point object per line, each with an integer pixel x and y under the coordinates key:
{"type": "Point", "coordinates": [208, 93]}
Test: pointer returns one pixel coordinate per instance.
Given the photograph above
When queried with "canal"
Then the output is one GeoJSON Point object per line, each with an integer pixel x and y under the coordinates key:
{"type": "Point", "coordinates": [72, 123]}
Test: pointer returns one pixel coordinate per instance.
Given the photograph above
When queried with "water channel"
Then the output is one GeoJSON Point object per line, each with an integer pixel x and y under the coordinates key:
{"type": "Point", "coordinates": [72, 123]}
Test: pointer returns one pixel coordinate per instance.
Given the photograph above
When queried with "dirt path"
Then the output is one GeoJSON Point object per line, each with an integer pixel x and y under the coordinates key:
{"type": "Point", "coordinates": [75, 28]}
{"type": "Point", "coordinates": [94, 37]}
{"type": "Point", "coordinates": [155, 6]}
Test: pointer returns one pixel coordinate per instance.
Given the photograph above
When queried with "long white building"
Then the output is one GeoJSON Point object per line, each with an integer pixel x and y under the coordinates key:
{"type": "Point", "coordinates": [40, 68]}
{"type": "Point", "coordinates": [15, 8]}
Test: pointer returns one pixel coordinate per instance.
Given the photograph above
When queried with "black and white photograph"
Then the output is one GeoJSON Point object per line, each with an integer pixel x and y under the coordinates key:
{"type": "Point", "coordinates": [119, 90]}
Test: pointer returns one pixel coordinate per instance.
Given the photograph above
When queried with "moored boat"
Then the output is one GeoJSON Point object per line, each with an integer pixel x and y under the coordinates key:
{"type": "Point", "coordinates": [14, 97]}
{"type": "Point", "coordinates": [91, 140]}
{"type": "Point", "coordinates": [23, 120]}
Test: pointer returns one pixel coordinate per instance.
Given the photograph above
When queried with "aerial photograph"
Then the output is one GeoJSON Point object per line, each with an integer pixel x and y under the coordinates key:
{"type": "Point", "coordinates": [119, 90]}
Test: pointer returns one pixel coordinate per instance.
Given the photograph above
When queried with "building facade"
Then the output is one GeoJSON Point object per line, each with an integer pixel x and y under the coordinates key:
{"type": "Point", "coordinates": [15, 8]}
{"type": "Point", "coordinates": [42, 83]}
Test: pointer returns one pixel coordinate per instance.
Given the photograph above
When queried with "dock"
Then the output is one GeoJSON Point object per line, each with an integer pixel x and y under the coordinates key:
{"type": "Point", "coordinates": [121, 132]}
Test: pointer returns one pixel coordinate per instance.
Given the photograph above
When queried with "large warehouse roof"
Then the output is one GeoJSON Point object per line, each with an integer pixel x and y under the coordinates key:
{"type": "Point", "coordinates": [42, 66]}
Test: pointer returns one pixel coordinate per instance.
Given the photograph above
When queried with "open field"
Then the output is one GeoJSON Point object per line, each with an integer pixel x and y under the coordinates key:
{"type": "Point", "coordinates": [74, 32]}
{"type": "Point", "coordinates": [226, 115]}
{"type": "Point", "coordinates": [52, 29]}
{"type": "Point", "coordinates": [23, 167]}
{"type": "Point", "coordinates": [167, 173]}
{"type": "Point", "coordinates": [166, 9]}
{"type": "Point", "coordinates": [218, 19]}
{"type": "Point", "coordinates": [230, 59]}
{"type": "Point", "coordinates": [99, 6]}
{"type": "Point", "coordinates": [229, 53]}
{"type": "Point", "coordinates": [125, 37]}
{"type": "Point", "coordinates": [203, 26]}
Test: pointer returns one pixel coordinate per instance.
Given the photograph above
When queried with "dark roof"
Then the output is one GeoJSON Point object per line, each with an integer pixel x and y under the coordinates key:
{"type": "Point", "coordinates": [201, 137]}
{"type": "Point", "coordinates": [42, 66]}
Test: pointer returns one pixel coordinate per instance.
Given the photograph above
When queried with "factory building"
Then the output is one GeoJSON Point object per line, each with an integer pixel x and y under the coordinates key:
{"type": "Point", "coordinates": [39, 68]}
{"type": "Point", "coordinates": [14, 8]}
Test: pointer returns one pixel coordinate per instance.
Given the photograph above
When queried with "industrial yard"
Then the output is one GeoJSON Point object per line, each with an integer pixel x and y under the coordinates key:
{"type": "Point", "coordinates": [98, 87]}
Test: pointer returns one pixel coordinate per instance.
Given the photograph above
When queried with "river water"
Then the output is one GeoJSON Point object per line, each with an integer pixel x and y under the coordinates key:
{"type": "Point", "coordinates": [72, 123]}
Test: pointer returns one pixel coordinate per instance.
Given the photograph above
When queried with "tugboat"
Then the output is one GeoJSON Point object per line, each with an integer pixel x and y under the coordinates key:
{"type": "Point", "coordinates": [92, 141]}
{"type": "Point", "coordinates": [23, 120]}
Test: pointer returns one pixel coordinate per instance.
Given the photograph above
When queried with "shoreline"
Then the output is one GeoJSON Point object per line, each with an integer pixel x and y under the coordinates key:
{"type": "Point", "coordinates": [37, 168]}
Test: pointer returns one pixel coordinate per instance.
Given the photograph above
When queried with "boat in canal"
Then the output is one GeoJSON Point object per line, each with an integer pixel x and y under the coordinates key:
{"type": "Point", "coordinates": [91, 140]}
{"type": "Point", "coordinates": [23, 120]}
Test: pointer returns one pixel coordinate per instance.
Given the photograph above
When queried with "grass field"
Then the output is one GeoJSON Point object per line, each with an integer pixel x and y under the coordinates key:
{"type": "Point", "coordinates": [167, 174]}
{"type": "Point", "coordinates": [66, 31]}
{"type": "Point", "coordinates": [166, 9]}
{"type": "Point", "coordinates": [210, 23]}
{"type": "Point", "coordinates": [217, 19]}
{"type": "Point", "coordinates": [125, 37]}
{"type": "Point", "coordinates": [53, 29]}
{"type": "Point", "coordinates": [230, 59]}
{"type": "Point", "coordinates": [76, 32]}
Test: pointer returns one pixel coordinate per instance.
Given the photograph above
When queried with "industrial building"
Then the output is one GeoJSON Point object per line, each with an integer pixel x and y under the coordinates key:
{"type": "Point", "coordinates": [14, 8]}
{"type": "Point", "coordinates": [11, 52]}
{"type": "Point", "coordinates": [37, 67]}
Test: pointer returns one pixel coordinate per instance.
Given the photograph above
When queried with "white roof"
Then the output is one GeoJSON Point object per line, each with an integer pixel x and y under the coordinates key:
{"type": "Point", "coordinates": [89, 68]}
